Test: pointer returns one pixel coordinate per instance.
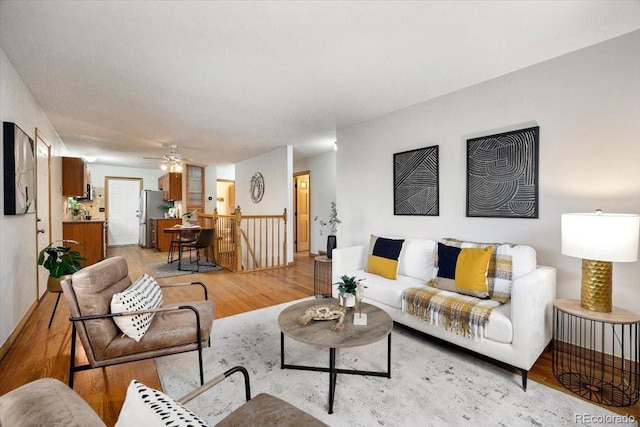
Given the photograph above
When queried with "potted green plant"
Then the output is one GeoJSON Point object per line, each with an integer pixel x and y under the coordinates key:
{"type": "Point", "coordinates": [76, 209]}
{"type": "Point", "coordinates": [347, 287]}
{"type": "Point", "coordinates": [165, 209]}
{"type": "Point", "coordinates": [60, 260]}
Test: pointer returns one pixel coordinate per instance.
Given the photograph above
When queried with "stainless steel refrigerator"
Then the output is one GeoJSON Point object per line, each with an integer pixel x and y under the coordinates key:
{"type": "Point", "coordinates": [150, 201]}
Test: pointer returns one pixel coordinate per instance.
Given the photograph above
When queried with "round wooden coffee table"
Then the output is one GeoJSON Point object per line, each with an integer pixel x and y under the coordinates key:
{"type": "Point", "coordinates": [319, 333]}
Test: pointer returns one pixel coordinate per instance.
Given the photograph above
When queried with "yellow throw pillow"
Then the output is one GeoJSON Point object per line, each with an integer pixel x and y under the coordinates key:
{"type": "Point", "coordinates": [384, 267]}
{"type": "Point", "coordinates": [383, 256]}
{"type": "Point", "coordinates": [471, 271]}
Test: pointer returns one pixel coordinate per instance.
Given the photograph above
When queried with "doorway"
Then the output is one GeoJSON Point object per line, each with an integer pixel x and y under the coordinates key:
{"type": "Point", "coordinates": [43, 205]}
{"type": "Point", "coordinates": [301, 191]}
{"type": "Point", "coordinates": [123, 205]}
{"type": "Point", "coordinates": [225, 196]}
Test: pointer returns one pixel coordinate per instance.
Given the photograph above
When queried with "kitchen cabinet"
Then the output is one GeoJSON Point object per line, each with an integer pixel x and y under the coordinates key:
{"type": "Point", "coordinates": [171, 186]}
{"type": "Point", "coordinates": [92, 238]}
{"type": "Point", "coordinates": [74, 177]}
{"type": "Point", "coordinates": [159, 239]}
{"type": "Point", "coordinates": [195, 188]}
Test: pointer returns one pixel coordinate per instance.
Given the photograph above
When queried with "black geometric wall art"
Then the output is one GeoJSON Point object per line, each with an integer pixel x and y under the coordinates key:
{"type": "Point", "coordinates": [416, 182]}
{"type": "Point", "coordinates": [502, 175]}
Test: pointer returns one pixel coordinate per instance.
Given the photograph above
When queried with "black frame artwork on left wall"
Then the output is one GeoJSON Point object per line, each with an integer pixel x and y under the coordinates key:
{"type": "Point", "coordinates": [19, 171]}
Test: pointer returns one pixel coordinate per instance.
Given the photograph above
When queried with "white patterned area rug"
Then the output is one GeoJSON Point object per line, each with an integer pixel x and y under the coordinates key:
{"type": "Point", "coordinates": [430, 385]}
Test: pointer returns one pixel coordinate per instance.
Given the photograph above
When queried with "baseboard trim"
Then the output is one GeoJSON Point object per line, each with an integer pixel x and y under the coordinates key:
{"type": "Point", "coordinates": [4, 349]}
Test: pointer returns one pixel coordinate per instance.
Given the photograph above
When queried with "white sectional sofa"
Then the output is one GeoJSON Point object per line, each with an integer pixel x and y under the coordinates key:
{"type": "Point", "coordinates": [517, 332]}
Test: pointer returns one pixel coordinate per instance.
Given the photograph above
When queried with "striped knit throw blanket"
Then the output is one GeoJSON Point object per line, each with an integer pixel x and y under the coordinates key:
{"type": "Point", "coordinates": [464, 315]}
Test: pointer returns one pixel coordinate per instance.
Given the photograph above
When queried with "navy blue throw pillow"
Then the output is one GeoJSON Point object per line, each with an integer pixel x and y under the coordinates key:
{"type": "Point", "coordinates": [447, 260]}
{"type": "Point", "coordinates": [387, 248]}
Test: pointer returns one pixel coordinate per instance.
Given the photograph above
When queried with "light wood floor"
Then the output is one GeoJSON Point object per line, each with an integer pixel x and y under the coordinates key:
{"type": "Point", "coordinates": [40, 352]}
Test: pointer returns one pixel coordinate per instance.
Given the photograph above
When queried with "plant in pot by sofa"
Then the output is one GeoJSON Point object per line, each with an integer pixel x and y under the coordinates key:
{"type": "Point", "coordinates": [347, 287]}
{"type": "Point", "coordinates": [61, 262]}
{"type": "Point", "coordinates": [333, 228]}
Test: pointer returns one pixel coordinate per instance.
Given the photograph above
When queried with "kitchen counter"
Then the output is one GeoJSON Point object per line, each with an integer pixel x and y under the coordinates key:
{"type": "Point", "coordinates": [92, 236]}
{"type": "Point", "coordinates": [159, 239]}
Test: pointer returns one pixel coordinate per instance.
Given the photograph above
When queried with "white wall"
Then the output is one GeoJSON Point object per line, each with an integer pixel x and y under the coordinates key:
{"type": "Point", "coordinates": [226, 172]}
{"type": "Point", "coordinates": [587, 105]}
{"type": "Point", "coordinates": [210, 188]}
{"type": "Point", "coordinates": [277, 169]}
{"type": "Point", "coordinates": [149, 176]}
{"type": "Point", "coordinates": [322, 180]}
{"type": "Point", "coordinates": [18, 268]}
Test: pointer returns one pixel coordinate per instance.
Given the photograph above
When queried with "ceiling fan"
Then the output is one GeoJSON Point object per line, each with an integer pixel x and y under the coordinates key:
{"type": "Point", "coordinates": [172, 160]}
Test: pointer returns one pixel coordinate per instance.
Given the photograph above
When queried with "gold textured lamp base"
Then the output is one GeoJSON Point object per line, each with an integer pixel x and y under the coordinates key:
{"type": "Point", "coordinates": [596, 286]}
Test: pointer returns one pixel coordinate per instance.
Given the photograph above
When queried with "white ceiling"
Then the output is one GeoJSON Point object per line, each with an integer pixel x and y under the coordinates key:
{"type": "Point", "coordinates": [226, 81]}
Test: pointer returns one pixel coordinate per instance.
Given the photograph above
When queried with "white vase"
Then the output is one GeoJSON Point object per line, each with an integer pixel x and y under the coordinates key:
{"type": "Point", "coordinates": [348, 300]}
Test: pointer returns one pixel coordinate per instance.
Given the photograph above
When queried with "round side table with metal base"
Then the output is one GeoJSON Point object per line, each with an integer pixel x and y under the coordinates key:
{"type": "Point", "coordinates": [597, 355]}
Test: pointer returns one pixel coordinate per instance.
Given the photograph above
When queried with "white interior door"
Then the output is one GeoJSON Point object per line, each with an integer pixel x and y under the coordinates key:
{"type": "Point", "coordinates": [123, 203]}
{"type": "Point", "coordinates": [43, 204]}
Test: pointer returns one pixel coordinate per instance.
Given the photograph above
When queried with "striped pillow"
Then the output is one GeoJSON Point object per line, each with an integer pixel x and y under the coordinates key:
{"type": "Point", "coordinates": [143, 294]}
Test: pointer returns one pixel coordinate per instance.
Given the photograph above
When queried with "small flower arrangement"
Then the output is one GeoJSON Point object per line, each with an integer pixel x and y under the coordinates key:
{"type": "Point", "coordinates": [333, 221]}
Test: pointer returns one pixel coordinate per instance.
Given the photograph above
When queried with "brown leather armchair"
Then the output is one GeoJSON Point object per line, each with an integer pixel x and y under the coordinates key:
{"type": "Point", "coordinates": [49, 402]}
{"type": "Point", "coordinates": [175, 328]}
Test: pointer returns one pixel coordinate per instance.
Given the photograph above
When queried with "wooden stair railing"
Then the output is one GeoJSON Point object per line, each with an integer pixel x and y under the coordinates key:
{"type": "Point", "coordinates": [250, 242]}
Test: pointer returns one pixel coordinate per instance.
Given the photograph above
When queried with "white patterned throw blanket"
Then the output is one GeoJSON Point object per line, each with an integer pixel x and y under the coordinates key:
{"type": "Point", "coordinates": [464, 315]}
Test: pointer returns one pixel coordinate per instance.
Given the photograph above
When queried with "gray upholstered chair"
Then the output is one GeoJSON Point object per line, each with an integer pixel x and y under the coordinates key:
{"type": "Point", "coordinates": [49, 402]}
{"type": "Point", "coordinates": [175, 328]}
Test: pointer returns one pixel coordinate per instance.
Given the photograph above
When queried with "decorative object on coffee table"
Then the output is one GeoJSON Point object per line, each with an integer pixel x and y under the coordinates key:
{"type": "Point", "coordinates": [359, 318]}
{"type": "Point", "coordinates": [347, 287]}
{"type": "Point", "coordinates": [324, 312]}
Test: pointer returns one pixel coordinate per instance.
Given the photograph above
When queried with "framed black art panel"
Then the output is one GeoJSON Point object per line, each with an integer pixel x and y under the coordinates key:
{"type": "Point", "coordinates": [416, 182]}
{"type": "Point", "coordinates": [502, 175]}
{"type": "Point", "coordinates": [19, 171]}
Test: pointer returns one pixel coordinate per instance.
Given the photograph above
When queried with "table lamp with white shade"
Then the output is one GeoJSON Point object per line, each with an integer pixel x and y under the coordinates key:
{"type": "Point", "coordinates": [599, 239]}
